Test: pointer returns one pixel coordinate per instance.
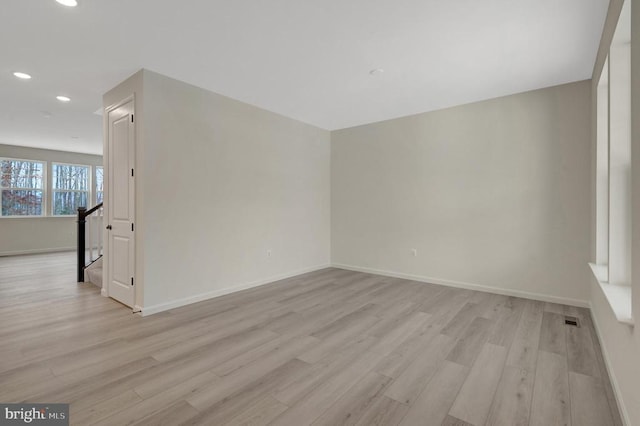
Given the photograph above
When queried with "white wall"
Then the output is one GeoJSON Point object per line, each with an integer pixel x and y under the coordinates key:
{"type": "Point", "coordinates": [222, 183]}
{"type": "Point", "coordinates": [493, 194]}
{"type": "Point", "coordinates": [621, 343]}
{"type": "Point", "coordinates": [21, 235]}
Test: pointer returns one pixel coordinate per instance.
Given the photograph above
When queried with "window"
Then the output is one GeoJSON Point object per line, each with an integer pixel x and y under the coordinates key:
{"type": "Point", "coordinates": [99, 188]}
{"type": "Point", "coordinates": [70, 185]}
{"type": "Point", "coordinates": [613, 172]}
{"type": "Point", "coordinates": [32, 188]}
{"type": "Point", "coordinates": [22, 186]}
{"type": "Point", "coordinates": [619, 258]}
{"type": "Point", "coordinates": [602, 175]}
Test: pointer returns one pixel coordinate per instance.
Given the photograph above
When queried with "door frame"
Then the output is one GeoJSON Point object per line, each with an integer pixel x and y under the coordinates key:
{"type": "Point", "coordinates": [107, 198]}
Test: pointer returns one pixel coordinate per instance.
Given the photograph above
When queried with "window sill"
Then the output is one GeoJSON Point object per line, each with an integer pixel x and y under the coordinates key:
{"type": "Point", "coordinates": [618, 296]}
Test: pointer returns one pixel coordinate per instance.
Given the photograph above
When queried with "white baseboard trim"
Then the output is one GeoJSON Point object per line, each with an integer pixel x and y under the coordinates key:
{"type": "Point", "coordinates": [469, 286]}
{"type": "Point", "coordinates": [154, 309]}
{"type": "Point", "coordinates": [616, 387]}
{"type": "Point", "coordinates": [36, 251]}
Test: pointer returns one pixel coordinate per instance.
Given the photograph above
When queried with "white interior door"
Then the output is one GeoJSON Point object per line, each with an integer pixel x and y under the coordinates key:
{"type": "Point", "coordinates": [120, 204]}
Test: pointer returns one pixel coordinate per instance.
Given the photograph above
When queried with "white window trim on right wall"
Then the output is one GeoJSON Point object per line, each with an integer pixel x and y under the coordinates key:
{"type": "Point", "coordinates": [612, 268]}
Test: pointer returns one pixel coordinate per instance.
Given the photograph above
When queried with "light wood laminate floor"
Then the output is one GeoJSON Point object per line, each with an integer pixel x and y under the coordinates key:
{"type": "Point", "coordinates": [330, 347]}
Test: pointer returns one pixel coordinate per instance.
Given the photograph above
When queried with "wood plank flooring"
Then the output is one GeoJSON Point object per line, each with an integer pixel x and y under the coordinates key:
{"type": "Point", "coordinates": [332, 347]}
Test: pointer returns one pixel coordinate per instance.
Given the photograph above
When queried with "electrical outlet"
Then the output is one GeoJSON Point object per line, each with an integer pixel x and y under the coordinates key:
{"type": "Point", "coordinates": [414, 252]}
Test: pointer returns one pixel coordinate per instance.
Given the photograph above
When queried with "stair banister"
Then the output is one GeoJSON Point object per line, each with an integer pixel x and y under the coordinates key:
{"type": "Point", "coordinates": [81, 237]}
{"type": "Point", "coordinates": [83, 213]}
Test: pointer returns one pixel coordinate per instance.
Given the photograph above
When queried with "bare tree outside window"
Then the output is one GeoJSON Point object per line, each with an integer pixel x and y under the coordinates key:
{"type": "Point", "coordinates": [21, 184]}
{"type": "Point", "coordinates": [99, 184]}
{"type": "Point", "coordinates": [70, 185]}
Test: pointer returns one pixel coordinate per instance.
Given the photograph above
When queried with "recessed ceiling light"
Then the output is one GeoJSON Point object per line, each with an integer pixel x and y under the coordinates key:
{"type": "Point", "coordinates": [376, 71]}
{"type": "Point", "coordinates": [63, 98]}
{"type": "Point", "coordinates": [22, 75]}
{"type": "Point", "coordinates": [70, 3]}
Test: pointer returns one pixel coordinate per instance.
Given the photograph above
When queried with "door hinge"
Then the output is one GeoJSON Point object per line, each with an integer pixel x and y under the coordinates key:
{"type": "Point", "coordinates": [132, 227]}
{"type": "Point", "coordinates": [132, 118]}
{"type": "Point", "coordinates": [132, 281]}
{"type": "Point", "coordinates": [131, 172]}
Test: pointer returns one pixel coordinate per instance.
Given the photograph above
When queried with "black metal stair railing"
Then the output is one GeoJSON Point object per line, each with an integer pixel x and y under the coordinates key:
{"type": "Point", "coordinates": [90, 239]}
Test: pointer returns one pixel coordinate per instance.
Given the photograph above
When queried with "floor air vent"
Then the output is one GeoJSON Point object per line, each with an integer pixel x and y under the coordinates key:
{"type": "Point", "coordinates": [572, 321]}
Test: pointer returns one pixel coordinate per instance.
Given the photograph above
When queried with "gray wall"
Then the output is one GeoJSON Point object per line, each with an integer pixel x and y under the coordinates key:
{"type": "Point", "coordinates": [223, 183]}
{"type": "Point", "coordinates": [492, 194]}
{"type": "Point", "coordinates": [42, 234]}
{"type": "Point", "coordinates": [621, 343]}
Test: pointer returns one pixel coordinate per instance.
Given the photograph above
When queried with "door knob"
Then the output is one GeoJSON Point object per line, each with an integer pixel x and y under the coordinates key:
{"type": "Point", "coordinates": [109, 227]}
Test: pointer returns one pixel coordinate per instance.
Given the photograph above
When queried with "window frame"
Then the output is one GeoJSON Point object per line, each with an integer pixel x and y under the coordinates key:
{"type": "Point", "coordinates": [53, 190]}
{"type": "Point", "coordinates": [43, 209]}
{"type": "Point", "coordinates": [613, 138]}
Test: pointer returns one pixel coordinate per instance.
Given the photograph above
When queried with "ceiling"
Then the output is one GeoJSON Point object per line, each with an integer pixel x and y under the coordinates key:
{"type": "Point", "coordinates": [309, 60]}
